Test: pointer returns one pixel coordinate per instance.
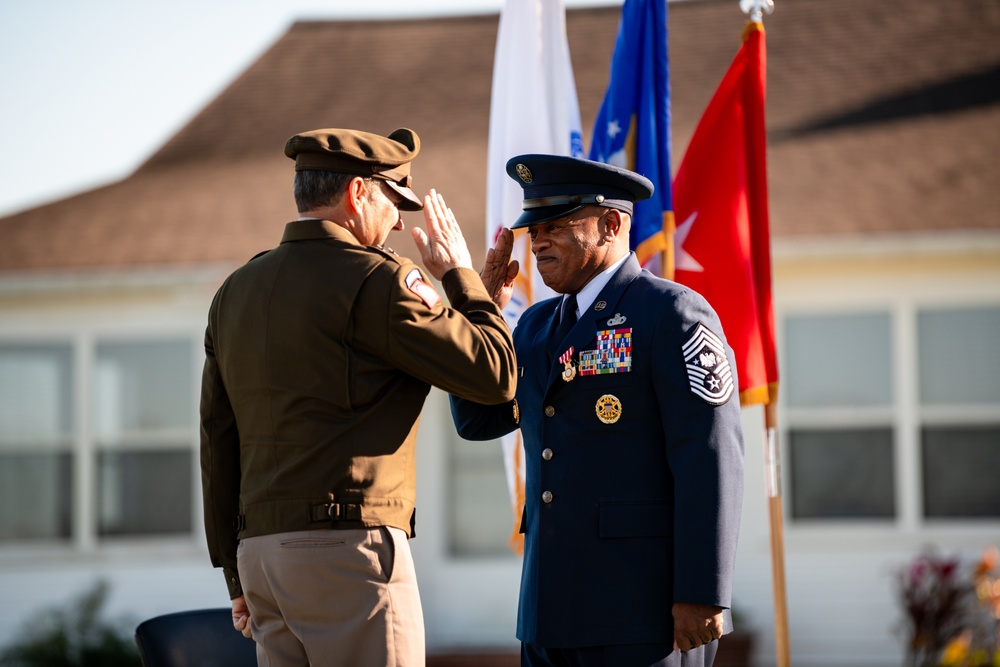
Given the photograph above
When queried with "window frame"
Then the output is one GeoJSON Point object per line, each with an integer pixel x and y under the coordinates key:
{"type": "Point", "coordinates": [83, 341]}
{"type": "Point", "coordinates": [901, 291]}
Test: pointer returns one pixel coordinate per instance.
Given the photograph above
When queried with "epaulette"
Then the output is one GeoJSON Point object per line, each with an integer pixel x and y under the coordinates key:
{"type": "Point", "coordinates": [261, 253]}
{"type": "Point", "coordinates": [388, 253]}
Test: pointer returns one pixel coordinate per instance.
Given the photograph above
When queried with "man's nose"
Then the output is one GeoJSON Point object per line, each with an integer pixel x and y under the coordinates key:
{"type": "Point", "coordinates": [399, 226]}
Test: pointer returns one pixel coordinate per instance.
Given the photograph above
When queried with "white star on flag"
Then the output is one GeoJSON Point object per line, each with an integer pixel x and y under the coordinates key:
{"type": "Point", "coordinates": [614, 129]}
{"type": "Point", "coordinates": [684, 261]}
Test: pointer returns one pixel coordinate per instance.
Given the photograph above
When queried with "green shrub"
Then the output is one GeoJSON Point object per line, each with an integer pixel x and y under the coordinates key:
{"type": "Point", "coordinates": [74, 637]}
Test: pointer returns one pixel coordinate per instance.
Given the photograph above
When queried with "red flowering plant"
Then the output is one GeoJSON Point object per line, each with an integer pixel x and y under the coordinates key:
{"type": "Point", "coordinates": [952, 611]}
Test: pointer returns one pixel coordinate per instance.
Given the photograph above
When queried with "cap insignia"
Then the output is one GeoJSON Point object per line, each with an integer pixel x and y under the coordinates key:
{"type": "Point", "coordinates": [523, 172]}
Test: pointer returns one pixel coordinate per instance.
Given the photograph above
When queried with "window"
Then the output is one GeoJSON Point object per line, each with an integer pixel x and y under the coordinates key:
{"type": "Point", "coordinates": [129, 464]}
{"type": "Point", "coordinates": [850, 410]}
{"type": "Point", "coordinates": [959, 356]}
{"type": "Point", "coordinates": [839, 360]}
{"type": "Point", "coordinates": [36, 440]}
{"type": "Point", "coordinates": [838, 374]}
{"type": "Point", "coordinates": [142, 422]}
{"type": "Point", "coordinates": [960, 466]}
{"type": "Point", "coordinates": [842, 473]}
{"type": "Point", "coordinates": [959, 369]}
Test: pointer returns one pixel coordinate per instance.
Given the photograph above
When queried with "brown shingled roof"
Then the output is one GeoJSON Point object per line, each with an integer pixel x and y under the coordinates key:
{"type": "Point", "coordinates": [883, 116]}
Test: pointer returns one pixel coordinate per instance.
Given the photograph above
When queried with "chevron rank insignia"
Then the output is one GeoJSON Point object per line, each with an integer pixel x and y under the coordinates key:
{"type": "Point", "coordinates": [708, 370]}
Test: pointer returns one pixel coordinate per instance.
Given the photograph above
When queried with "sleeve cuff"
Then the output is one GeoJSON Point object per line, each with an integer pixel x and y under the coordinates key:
{"type": "Point", "coordinates": [233, 583]}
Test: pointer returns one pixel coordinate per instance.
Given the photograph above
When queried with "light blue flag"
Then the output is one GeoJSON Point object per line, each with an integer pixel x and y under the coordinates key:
{"type": "Point", "coordinates": [632, 129]}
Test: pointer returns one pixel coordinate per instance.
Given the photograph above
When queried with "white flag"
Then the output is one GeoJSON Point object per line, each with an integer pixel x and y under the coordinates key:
{"type": "Point", "coordinates": [533, 109]}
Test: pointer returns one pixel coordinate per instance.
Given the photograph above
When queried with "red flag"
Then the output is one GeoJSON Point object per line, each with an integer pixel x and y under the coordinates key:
{"type": "Point", "coordinates": [722, 242]}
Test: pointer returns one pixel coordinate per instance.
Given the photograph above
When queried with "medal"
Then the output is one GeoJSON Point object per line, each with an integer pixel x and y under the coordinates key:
{"type": "Point", "coordinates": [609, 409]}
{"type": "Point", "coordinates": [569, 370]}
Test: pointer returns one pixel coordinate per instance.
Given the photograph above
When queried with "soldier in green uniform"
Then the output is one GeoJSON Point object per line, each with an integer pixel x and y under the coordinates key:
{"type": "Point", "coordinates": [319, 355]}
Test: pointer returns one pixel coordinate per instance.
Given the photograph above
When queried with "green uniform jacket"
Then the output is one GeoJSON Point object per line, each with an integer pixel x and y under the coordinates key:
{"type": "Point", "coordinates": [319, 355]}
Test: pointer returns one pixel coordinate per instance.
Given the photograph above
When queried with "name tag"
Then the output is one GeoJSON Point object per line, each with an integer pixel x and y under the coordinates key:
{"type": "Point", "coordinates": [613, 353]}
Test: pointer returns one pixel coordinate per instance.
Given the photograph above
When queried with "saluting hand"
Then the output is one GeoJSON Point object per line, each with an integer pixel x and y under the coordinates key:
{"type": "Point", "coordinates": [499, 272]}
{"type": "Point", "coordinates": [442, 247]}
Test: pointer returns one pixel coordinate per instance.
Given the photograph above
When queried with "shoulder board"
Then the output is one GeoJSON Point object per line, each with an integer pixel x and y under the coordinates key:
{"type": "Point", "coordinates": [260, 254]}
{"type": "Point", "coordinates": [388, 253]}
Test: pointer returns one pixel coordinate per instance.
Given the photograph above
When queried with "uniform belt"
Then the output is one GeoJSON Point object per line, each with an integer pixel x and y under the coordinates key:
{"type": "Point", "coordinates": [335, 512]}
{"type": "Point", "coordinates": [300, 514]}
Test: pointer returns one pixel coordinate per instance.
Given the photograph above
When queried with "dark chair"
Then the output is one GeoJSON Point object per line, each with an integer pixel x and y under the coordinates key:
{"type": "Point", "coordinates": [200, 638]}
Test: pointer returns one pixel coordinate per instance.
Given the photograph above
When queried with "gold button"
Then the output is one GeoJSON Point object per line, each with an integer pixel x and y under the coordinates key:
{"type": "Point", "coordinates": [546, 496]}
{"type": "Point", "coordinates": [547, 454]}
{"type": "Point", "coordinates": [549, 411]}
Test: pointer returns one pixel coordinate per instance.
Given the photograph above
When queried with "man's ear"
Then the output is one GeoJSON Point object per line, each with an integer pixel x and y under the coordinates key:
{"type": "Point", "coordinates": [612, 224]}
{"type": "Point", "coordinates": [356, 195]}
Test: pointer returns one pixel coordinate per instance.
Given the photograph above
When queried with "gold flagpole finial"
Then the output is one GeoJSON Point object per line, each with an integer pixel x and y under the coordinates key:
{"type": "Point", "coordinates": [756, 8]}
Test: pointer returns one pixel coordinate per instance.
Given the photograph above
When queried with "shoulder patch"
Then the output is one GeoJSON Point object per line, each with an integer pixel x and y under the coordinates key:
{"type": "Point", "coordinates": [709, 373]}
{"type": "Point", "coordinates": [416, 284]}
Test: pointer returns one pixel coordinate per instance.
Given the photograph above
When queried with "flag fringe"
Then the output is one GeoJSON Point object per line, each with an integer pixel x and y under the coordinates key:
{"type": "Point", "coordinates": [669, 228]}
{"type": "Point", "coordinates": [765, 395]}
{"type": "Point", "coordinates": [516, 540]}
{"type": "Point", "coordinates": [750, 28]}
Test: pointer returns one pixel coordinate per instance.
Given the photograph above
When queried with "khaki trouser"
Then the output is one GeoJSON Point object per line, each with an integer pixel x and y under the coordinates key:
{"type": "Point", "coordinates": [333, 598]}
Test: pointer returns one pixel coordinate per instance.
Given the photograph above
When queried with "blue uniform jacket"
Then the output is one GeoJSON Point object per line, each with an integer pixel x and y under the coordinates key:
{"type": "Point", "coordinates": [622, 518]}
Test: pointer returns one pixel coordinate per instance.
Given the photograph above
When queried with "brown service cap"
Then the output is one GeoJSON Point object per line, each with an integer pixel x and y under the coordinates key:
{"type": "Point", "coordinates": [362, 154]}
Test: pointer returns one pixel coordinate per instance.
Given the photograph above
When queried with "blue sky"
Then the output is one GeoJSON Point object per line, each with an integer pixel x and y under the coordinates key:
{"type": "Point", "coordinates": [90, 88]}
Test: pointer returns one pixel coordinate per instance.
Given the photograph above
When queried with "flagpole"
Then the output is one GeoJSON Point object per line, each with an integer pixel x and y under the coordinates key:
{"type": "Point", "coordinates": [772, 465]}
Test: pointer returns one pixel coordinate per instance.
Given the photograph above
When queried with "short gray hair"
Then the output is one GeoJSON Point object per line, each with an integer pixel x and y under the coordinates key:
{"type": "Point", "coordinates": [315, 188]}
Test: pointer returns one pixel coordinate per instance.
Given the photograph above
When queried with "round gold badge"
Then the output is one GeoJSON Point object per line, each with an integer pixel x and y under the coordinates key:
{"type": "Point", "coordinates": [609, 409]}
{"type": "Point", "coordinates": [523, 172]}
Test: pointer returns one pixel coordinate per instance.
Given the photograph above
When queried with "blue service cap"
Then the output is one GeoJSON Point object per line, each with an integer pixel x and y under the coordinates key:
{"type": "Point", "coordinates": [557, 185]}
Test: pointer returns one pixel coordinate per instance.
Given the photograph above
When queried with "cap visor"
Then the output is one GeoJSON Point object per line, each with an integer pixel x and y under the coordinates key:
{"type": "Point", "coordinates": [411, 202]}
{"type": "Point", "coordinates": [537, 216]}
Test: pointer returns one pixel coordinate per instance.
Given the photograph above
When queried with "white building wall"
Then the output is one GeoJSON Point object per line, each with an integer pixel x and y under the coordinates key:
{"type": "Point", "coordinates": [839, 577]}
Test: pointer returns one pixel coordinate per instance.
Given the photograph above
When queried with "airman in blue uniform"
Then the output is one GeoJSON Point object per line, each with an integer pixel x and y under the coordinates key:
{"type": "Point", "coordinates": [629, 413]}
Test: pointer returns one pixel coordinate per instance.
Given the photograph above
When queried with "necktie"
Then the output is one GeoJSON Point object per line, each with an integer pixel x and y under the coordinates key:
{"type": "Point", "coordinates": [567, 320]}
